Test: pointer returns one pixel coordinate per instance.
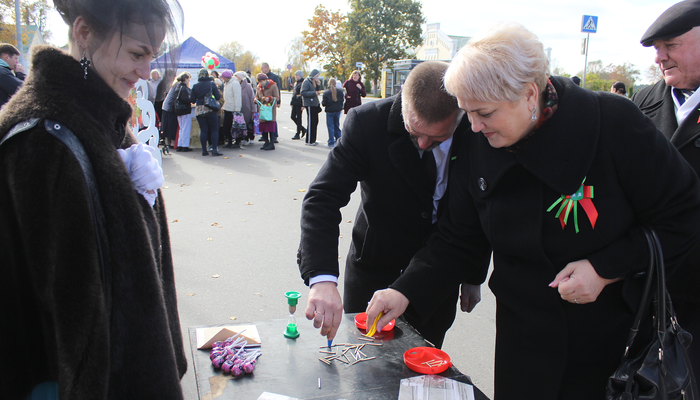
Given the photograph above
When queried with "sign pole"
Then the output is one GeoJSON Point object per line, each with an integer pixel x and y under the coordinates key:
{"type": "Point", "coordinates": [589, 24]}
{"type": "Point", "coordinates": [585, 63]}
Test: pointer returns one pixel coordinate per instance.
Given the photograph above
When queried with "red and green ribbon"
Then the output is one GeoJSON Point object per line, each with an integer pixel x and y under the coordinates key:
{"type": "Point", "coordinates": [584, 196]}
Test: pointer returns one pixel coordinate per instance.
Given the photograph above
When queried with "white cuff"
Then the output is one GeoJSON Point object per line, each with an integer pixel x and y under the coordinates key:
{"type": "Point", "coordinates": [323, 278]}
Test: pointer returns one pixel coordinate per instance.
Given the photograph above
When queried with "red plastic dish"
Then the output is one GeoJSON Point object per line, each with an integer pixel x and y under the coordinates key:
{"type": "Point", "coordinates": [361, 322]}
{"type": "Point", "coordinates": [427, 360]}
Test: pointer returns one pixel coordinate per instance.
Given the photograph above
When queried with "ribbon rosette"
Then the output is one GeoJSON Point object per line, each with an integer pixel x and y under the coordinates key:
{"type": "Point", "coordinates": [583, 195]}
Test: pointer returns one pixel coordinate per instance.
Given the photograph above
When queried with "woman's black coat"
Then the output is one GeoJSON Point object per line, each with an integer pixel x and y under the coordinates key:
{"type": "Point", "coordinates": [548, 348]}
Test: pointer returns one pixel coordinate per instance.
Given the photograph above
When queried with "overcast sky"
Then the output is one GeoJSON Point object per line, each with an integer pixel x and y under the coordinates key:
{"type": "Point", "coordinates": [266, 31]}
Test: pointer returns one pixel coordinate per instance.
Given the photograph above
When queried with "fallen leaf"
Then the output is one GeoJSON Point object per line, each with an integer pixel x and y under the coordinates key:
{"type": "Point", "coordinates": [274, 180]}
{"type": "Point", "coordinates": [190, 294]}
{"type": "Point", "coordinates": [242, 220]}
{"type": "Point", "coordinates": [257, 294]}
{"type": "Point", "coordinates": [240, 155]}
{"type": "Point", "coordinates": [225, 158]}
{"type": "Point", "coordinates": [289, 177]}
{"type": "Point", "coordinates": [232, 318]}
{"type": "Point", "coordinates": [248, 203]}
{"type": "Point", "coordinates": [207, 187]}
{"type": "Point", "coordinates": [209, 239]}
{"type": "Point", "coordinates": [216, 192]}
{"type": "Point", "coordinates": [175, 220]}
{"type": "Point", "coordinates": [295, 198]}
{"type": "Point", "coordinates": [182, 185]}
{"type": "Point", "coordinates": [216, 276]}
{"type": "Point", "coordinates": [230, 173]}
{"type": "Point", "coordinates": [302, 190]}
{"type": "Point", "coordinates": [166, 187]}
{"type": "Point", "coordinates": [216, 224]}
{"type": "Point", "coordinates": [349, 221]}
{"type": "Point", "coordinates": [309, 165]}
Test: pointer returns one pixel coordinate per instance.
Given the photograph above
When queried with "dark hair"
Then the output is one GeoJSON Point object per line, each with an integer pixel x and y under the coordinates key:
{"type": "Point", "coordinates": [575, 79]}
{"type": "Point", "coordinates": [110, 17]}
{"type": "Point", "coordinates": [215, 74]}
{"type": "Point", "coordinates": [6, 48]}
{"type": "Point", "coordinates": [619, 87]}
{"type": "Point", "coordinates": [425, 95]}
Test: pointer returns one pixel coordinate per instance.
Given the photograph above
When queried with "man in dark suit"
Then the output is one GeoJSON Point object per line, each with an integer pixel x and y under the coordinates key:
{"type": "Point", "coordinates": [673, 104]}
{"type": "Point", "coordinates": [401, 150]}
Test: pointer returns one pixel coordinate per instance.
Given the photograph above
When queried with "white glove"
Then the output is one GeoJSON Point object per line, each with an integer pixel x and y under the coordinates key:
{"type": "Point", "coordinates": [144, 170]}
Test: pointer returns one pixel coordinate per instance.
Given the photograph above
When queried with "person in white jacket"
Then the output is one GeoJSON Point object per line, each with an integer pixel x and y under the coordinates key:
{"type": "Point", "coordinates": [232, 104]}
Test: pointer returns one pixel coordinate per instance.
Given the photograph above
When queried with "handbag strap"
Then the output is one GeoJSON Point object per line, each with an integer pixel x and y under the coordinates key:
{"type": "Point", "coordinates": [644, 302]}
{"type": "Point", "coordinates": [68, 139]}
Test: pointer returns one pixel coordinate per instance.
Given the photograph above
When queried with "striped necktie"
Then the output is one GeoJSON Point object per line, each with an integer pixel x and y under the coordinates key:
{"type": "Point", "coordinates": [683, 94]}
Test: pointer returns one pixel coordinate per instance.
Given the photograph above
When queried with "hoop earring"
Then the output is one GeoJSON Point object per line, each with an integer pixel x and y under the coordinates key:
{"type": "Point", "coordinates": [85, 63]}
{"type": "Point", "coordinates": [534, 115]}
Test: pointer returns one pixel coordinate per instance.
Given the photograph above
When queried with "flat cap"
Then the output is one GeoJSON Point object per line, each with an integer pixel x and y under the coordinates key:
{"type": "Point", "coordinates": [677, 20]}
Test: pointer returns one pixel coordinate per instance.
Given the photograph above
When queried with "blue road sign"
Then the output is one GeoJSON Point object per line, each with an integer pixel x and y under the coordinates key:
{"type": "Point", "coordinates": [589, 24]}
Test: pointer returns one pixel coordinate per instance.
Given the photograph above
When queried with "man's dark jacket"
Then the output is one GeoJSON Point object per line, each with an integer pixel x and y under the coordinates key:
{"type": "Point", "coordinates": [656, 102]}
{"type": "Point", "coordinates": [394, 218]}
{"type": "Point", "coordinates": [9, 83]}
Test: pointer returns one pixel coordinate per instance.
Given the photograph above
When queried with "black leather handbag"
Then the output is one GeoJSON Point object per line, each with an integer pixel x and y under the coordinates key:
{"type": "Point", "coordinates": [661, 370]}
{"type": "Point", "coordinates": [210, 101]}
{"type": "Point", "coordinates": [180, 107]}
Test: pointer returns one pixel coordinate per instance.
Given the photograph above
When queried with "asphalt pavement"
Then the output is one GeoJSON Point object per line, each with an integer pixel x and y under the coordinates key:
{"type": "Point", "coordinates": [234, 228]}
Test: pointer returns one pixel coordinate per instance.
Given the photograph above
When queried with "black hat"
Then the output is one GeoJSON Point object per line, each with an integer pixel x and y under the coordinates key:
{"type": "Point", "coordinates": [677, 20]}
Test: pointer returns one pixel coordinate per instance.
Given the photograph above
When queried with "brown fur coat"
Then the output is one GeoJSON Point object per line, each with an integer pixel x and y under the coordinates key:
{"type": "Point", "coordinates": [56, 326]}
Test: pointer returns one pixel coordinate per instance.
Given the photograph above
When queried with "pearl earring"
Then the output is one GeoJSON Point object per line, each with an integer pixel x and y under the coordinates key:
{"type": "Point", "coordinates": [534, 115]}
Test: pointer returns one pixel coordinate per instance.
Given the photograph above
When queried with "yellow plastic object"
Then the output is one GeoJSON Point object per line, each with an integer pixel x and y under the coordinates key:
{"type": "Point", "coordinates": [373, 330]}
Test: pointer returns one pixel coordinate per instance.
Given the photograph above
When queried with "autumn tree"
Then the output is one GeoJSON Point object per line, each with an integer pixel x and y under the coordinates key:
{"type": "Point", "coordinates": [295, 54]}
{"type": "Point", "coordinates": [231, 50]}
{"type": "Point", "coordinates": [653, 74]}
{"type": "Point", "coordinates": [381, 31]}
{"type": "Point", "coordinates": [34, 12]}
{"type": "Point", "coordinates": [248, 61]}
{"type": "Point", "coordinates": [327, 41]}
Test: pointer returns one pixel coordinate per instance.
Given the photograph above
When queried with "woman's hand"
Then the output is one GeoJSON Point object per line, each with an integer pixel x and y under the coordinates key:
{"type": "Point", "coordinates": [358, 86]}
{"type": "Point", "coordinates": [389, 301]}
{"type": "Point", "coordinates": [579, 283]}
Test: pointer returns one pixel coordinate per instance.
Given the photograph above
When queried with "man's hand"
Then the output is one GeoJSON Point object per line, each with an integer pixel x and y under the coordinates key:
{"type": "Point", "coordinates": [19, 68]}
{"type": "Point", "coordinates": [579, 283]}
{"type": "Point", "coordinates": [469, 297]}
{"type": "Point", "coordinates": [325, 308]}
{"type": "Point", "coordinates": [389, 301]}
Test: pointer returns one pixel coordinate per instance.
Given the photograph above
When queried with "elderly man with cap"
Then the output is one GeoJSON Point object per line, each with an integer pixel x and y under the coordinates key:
{"type": "Point", "coordinates": [673, 105]}
{"type": "Point", "coordinates": [297, 105]}
{"type": "Point", "coordinates": [401, 150]}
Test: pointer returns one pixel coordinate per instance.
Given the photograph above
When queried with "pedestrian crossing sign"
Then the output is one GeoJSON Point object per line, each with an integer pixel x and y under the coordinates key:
{"type": "Point", "coordinates": [589, 24]}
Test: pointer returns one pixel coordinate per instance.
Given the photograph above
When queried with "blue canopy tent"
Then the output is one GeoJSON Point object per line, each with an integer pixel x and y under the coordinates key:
{"type": "Point", "coordinates": [190, 54]}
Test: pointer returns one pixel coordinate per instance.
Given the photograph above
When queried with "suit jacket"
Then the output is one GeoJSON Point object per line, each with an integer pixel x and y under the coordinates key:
{"type": "Point", "coordinates": [394, 218]}
{"type": "Point", "coordinates": [545, 346]}
{"type": "Point", "coordinates": [656, 102]}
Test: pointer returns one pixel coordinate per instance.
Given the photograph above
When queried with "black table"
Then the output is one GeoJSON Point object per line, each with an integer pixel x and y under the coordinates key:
{"type": "Point", "coordinates": [291, 367]}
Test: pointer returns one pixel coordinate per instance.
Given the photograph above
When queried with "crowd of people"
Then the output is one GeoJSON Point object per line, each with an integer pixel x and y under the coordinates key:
{"type": "Point", "coordinates": [468, 163]}
{"type": "Point", "coordinates": [244, 102]}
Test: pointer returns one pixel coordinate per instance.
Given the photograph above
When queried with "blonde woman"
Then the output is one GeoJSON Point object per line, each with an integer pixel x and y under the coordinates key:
{"type": "Point", "coordinates": [565, 287]}
{"type": "Point", "coordinates": [333, 102]}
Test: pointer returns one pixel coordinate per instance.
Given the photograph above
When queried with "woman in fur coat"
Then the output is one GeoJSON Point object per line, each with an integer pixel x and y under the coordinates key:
{"type": "Point", "coordinates": [89, 310]}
